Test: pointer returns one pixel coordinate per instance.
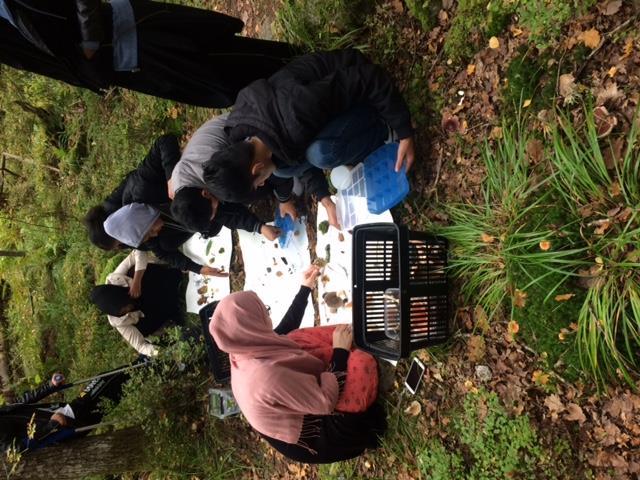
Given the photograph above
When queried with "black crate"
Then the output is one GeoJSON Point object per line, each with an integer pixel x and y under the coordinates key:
{"type": "Point", "coordinates": [402, 275]}
{"type": "Point", "coordinates": [218, 360]}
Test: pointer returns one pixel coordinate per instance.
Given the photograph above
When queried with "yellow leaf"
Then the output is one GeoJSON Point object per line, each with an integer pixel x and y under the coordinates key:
{"type": "Point", "coordinates": [513, 327]}
{"type": "Point", "coordinates": [591, 38]}
{"type": "Point", "coordinates": [540, 378]}
{"type": "Point", "coordinates": [486, 238]}
{"type": "Point", "coordinates": [545, 245]}
{"type": "Point", "coordinates": [494, 43]}
{"type": "Point", "coordinates": [519, 298]}
{"type": "Point", "coordinates": [562, 336]}
{"type": "Point", "coordinates": [564, 297]}
{"type": "Point", "coordinates": [615, 189]}
{"type": "Point", "coordinates": [414, 408]}
{"type": "Point", "coordinates": [471, 69]}
{"type": "Point", "coordinates": [496, 133]}
{"type": "Point", "coordinates": [628, 48]}
{"type": "Point", "coordinates": [526, 103]}
{"type": "Point", "coordinates": [573, 326]}
{"type": "Point", "coordinates": [480, 316]}
{"type": "Point", "coordinates": [599, 261]}
{"type": "Point", "coordinates": [612, 71]}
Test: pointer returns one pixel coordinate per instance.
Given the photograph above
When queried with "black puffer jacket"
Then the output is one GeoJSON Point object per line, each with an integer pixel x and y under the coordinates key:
{"type": "Point", "coordinates": [148, 183]}
{"type": "Point", "coordinates": [288, 110]}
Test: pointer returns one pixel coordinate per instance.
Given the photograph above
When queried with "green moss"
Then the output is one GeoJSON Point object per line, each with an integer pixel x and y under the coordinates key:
{"type": "Point", "coordinates": [425, 11]}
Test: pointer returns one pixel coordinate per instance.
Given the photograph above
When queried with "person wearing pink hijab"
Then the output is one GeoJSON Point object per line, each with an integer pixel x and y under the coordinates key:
{"type": "Point", "coordinates": [289, 389]}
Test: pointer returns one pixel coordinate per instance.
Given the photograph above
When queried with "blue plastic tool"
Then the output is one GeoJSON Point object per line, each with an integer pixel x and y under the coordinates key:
{"type": "Point", "coordinates": [287, 227]}
{"type": "Point", "coordinates": [385, 187]}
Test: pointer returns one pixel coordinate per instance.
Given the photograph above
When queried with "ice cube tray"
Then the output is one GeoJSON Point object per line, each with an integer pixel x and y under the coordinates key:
{"type": "Point", "coordinates": [384, 187]}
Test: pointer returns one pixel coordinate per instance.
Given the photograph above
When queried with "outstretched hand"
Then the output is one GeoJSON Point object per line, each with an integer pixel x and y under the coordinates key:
{"type": "Point", "coordinates": [343, 336]}
{"type": "Point", "coordinates": [310, 275]}
{"type": "Point", "coordinates": [270, 232]}
{"type": "Point", "coordinates": [214, 272]}
{"type": "Point", "coordinates": [406, 153]}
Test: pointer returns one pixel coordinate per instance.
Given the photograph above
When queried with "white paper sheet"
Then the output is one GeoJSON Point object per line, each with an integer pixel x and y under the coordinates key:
{"type": "Point", "coordinates": [336, 278]}
{"type": "Point", "coordinates": [205, 289]}
{"type": "Point", "coordinates": [274, 273]}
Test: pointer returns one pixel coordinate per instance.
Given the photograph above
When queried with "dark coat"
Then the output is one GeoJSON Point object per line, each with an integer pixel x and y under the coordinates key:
{"type": "Point", "coordinates": [147, 183]}
{"type": "Point", "coordinates": [288, 110]}
{"type": "Point", "coordinates": [185, 54]}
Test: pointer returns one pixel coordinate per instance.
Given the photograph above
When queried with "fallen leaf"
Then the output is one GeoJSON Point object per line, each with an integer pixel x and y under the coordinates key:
{"type": "Point", "coordinates": [279, 273]}
{"type": "Point", "coordinates": [476, 348]}
{"type": "Point", "coordinates": [494, 43]}
{"type": "Point", "coordinates": [603, 226]}
{"type": "Point", "coordinates": [519, 298]}
{"type": "Point", "coordinates": [471, 69]}
{"type": "Point", "coordinates": [608, 94]}
{"type": "Point", "coordinates": [575, 414]}
{"type": "Point", "coordinates": [564, 297]}
{"type": "Point", "coordinates": [397, 6]}
{"type": "Point", "coordinates": [604, 121]}
{"type": "Point", "coordinates": [535, 150]}
{"type": "Point", "coordinates": [591, 38]}
{"type": "Point", "coordinates": [544, 245]}
{"type": "Point", "coordinates": [612, 7]}
{"type": "Point", "coordinates": [513, 327]}
{"type": "Point", "coordinates": [562, 336]}
{"type": "Point", "coordinates": [628, 48]}
{"type": "Point", "coordinates": [481, 319]}
{"type": "Point", "coordinates": [612, 71]}
{"type": "Point", "coordinates": [496, 133]}
{"type": "Point", "coordinates": [539, 377]}
{"type": "Point", "coordinates": [450, 123]}
{"type": "Point", "coordinates": [526, 103]}
{"type": "Point", "coordinates": [554, 404]}
{"type": "Point", "coordinates": [486, 238]}
{"type": "Point", "coordinates": [615, 189]}
{"type": "Point", "coordinates": [413, 409]}
{"type": "Point", "coordinates": [566, 85]}
{"type": "Point", "coordinates": [613, 154]}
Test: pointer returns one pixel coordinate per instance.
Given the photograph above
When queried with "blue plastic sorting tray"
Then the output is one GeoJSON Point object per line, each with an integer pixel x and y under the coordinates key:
{"type": "Point", "coordinates": [287, 227]}
{"type": "Point", "coordinates": [385, 187]}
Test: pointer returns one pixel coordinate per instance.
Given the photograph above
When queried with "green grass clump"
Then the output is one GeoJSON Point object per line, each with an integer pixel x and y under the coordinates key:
{"type": "Point", "coordinates": [320, 24]}
{"type": "Point", "coordinates": [425, 11]}
{"type": "Point", "coordinates": [474, 22]}
{"type": "Point", "coordinates": [494, 241]}
{"type": "Point", "coordinates": [544, 19]}
{"type": "Point", "coordinates": [603, 195]}
{"type": "Point", "coordinates": [485, 443]}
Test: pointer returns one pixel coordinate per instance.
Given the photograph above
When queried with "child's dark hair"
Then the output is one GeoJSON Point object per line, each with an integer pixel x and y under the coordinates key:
{"type": "Point", "coordinates": [94, 222]}
{"type": "Point", "coordinates": [228, 173]}
{"type": "Point", "coordinates": [191, 209]}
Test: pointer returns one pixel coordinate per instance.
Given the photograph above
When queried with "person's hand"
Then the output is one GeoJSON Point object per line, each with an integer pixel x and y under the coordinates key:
{"type": "Point", "coordinates": [332, 214]}
{"type": "Point", "coordinates": [289, 208]}
{"type": "Point", "coordinates": [170, 191]}
{"type": "Point", "coordinates": [406, 153]}
{"type": "Point", "coordinates": [310, 276]}
{"type": "Point", "coordinates": [343, 336]}
{"type": "Point", "coordinates": [270, 232]}
{"type": "Point", "coordinates": [57, 379]}
{"type": "Point", "coordinates": [62, 420]}
{"type": "Point", "coordinates": [135, 289]}
{"type": "Point", "coordinates": [214, 272]}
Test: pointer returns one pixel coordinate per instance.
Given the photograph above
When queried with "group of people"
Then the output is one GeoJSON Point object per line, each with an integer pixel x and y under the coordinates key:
{"type": "Point", "coordinates": [306, 391]}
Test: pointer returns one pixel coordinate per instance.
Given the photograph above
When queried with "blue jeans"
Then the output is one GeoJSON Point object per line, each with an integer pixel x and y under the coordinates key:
{"type": "Point", "coordinates": [345, 140]}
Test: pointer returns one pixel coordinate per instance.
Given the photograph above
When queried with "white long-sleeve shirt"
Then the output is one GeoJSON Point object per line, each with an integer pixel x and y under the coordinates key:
{"type": "Point", "coordinates": [126, 325]}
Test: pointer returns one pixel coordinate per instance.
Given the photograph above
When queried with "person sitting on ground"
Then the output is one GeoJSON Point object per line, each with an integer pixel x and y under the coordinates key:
{"type": "Point", "coordinates": [189, 186]}
{"type": "Point", "coordinates": [303, 390]}
{"type": "Point", "coordinates": [146, 184]}
{"type": "Point", "coordinates": [143, 227]}
{"type": "Point", "coordinates": [55, 422]}
{"type": "Point", "coordinates": [158, 306]}
{"type": "Point", "coordinates": [320, 111]}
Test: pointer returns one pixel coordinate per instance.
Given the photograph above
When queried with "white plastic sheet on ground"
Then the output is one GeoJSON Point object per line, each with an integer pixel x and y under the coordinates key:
{"type": "Point", "coordinates": [275, 273]}
{"type": "Point", "coordinates": [214, 252]}
{"type": "Point", "coordinates": [337, 272]}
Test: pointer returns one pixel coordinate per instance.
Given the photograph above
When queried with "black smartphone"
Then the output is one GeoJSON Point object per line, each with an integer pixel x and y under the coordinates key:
{"type": "Point", "coordinates": [414, 377]}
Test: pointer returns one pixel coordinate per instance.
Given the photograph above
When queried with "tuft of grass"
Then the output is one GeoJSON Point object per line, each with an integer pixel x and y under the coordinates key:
{"type": "Point", "coordinates": [320, 24]}
{"type": "Point", "coordinates": [604, 199]}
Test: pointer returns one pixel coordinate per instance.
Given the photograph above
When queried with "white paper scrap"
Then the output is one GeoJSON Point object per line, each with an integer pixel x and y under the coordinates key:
{"type": "Point", "coordinates": [275, 273]}
{"type": "Point", "coordinates": [214, 252]}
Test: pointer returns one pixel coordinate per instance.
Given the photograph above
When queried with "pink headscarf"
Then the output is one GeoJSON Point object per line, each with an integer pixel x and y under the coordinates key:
{"type": "Point", "coordinates": [274, 381]}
